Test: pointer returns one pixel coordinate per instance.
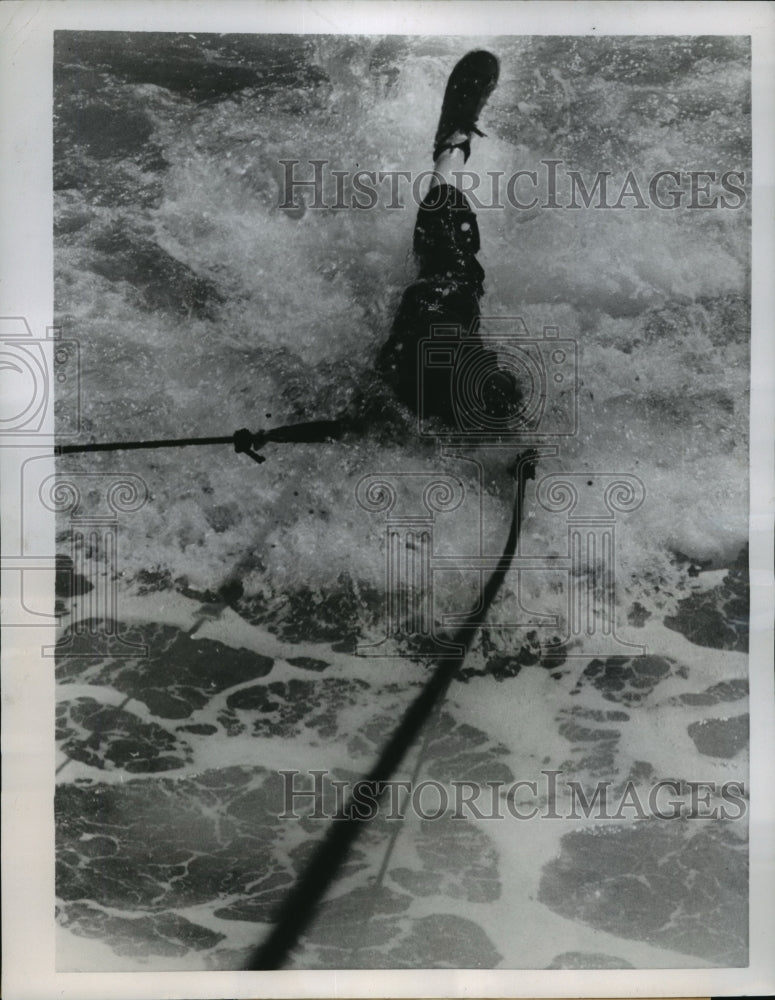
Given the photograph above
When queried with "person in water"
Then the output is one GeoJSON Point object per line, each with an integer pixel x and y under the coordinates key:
{"type": "Point", "coordinates": [446, 293]}
{"type": "Point", "coordinates": [450, 282]}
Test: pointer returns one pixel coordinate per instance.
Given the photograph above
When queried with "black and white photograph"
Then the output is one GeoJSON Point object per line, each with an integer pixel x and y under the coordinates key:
{"type": "Point", "coordinates": [384, 460]}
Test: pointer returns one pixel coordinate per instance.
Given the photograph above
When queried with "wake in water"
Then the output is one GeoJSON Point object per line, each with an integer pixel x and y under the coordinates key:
{"type": "Point", "coordinates": [615, 650]}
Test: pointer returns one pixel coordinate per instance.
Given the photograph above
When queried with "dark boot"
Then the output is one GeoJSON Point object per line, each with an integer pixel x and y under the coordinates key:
{"type": "Point", "coordinates": [470, 84]}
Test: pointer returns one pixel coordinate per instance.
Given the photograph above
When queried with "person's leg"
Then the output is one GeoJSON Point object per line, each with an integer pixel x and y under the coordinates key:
{"type": "Point", "coordinates": [450, 282]}
{"type": "Point", "coordinates": [446, 293]}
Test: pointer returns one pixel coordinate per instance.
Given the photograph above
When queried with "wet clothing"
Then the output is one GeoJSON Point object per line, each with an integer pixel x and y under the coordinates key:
{"type": "Point", "coordinates": [446, 293]}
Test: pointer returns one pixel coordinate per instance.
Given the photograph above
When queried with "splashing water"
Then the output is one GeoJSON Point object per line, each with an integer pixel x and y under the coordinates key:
{"type": "Point", "coordinates": [201, 305]}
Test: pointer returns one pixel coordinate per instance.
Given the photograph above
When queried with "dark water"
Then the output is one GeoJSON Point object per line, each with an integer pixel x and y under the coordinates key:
{"type": "Point", "coordinates": [200, 306]}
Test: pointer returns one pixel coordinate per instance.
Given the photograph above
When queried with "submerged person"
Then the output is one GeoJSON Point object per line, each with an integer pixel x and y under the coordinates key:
{"type": "Point", "coordinates": [462, 387]}
{"type": "Point", "coordinates": [451, 381]}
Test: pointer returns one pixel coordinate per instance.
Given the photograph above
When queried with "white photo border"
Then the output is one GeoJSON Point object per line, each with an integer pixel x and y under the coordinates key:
{"type": "Point", "coordinates": [26, 267]}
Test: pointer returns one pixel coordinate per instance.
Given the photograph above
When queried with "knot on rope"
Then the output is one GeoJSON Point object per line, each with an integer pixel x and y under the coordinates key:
{"type": "Point", "coordinates": [244, 443]}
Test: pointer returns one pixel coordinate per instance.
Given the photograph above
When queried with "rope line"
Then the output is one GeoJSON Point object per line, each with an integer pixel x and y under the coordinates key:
{"type": "Point", "coordinates": [244, 441]}
{"type": "Point", "coordinates": [300, 904]}
{"type": "Point", "coordinates": [397, 829]}
{"type": "Point", "coordinates": [429, 734]}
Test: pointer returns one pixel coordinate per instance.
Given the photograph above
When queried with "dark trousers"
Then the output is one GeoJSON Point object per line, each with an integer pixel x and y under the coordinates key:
{"type": "Point", "coordinates": [446, 293]}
